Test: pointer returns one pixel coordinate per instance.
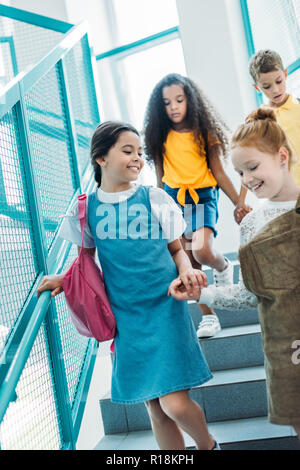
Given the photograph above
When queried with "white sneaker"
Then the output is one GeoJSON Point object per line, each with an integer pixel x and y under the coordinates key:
{"type": "Point", "coordinates": [225, 277]}
{"type": "Point", "coordinates": [209, 326]}
{"type": "Point", "coordinates": [216, 446]}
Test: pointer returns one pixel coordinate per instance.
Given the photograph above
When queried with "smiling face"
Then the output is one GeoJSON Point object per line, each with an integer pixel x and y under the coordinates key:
{"type": "Point", "coordinates": [262, 173]}
{"type": "Point", "coordinates": [273, 86]}
{"type": "Point", "coordinates": [175, 101]}
{"type": "Point", "coordinates": [123, 163]}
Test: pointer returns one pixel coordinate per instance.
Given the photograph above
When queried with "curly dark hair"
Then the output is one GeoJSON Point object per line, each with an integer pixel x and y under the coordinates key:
{"type": "Point", "coordinates": [202, 118]}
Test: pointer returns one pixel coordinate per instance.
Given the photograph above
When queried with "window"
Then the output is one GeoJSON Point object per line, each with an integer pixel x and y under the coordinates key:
{"type": "Point", "coordinates": [275, 24]}
{"type": "Point", "coordinates": [129, 72]}
{"type": "Point", "coordinates": [147, 47]}
{"type": "Point", "coordinates": [137, 19]}
{"type": "Point", "coordinates": [144, 69]}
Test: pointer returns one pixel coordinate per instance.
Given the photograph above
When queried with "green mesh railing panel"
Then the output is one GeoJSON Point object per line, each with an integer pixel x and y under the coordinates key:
{"type": "Point", "coordinates": [31, 43]}
{"type": "Point", "coordinates": [73, 345]}
{"type": "Point", "coordinates": [17, 250]}
{"type": "Point", "coordinates": [32, 421]}
{"type": "Point", "coordinates": [50, 142]}
{"type": "Point", "coordinates": [82, 98]}
{"type": "Point", "coordinates": [44, 143]}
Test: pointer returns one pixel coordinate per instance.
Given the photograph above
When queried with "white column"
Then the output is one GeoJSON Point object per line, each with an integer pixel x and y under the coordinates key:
{"type": "Point", "coordinates": [215, 52]}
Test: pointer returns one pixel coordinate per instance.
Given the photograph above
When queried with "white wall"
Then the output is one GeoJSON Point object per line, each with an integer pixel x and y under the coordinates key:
{"type": "Point", "coordinates": [54, 8]}
{"type": "Point", "coordinates": [74, 11]}
{"type": "Point", "coordinates": [215, 52]}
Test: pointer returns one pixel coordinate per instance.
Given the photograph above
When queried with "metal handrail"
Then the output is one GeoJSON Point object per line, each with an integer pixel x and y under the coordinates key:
{"type": "Point", "coordinates": [35, 19]}
{"type": "Point", "coordinates": [8, 386]}
{"type": "Point", "coordinates": [134, 46]}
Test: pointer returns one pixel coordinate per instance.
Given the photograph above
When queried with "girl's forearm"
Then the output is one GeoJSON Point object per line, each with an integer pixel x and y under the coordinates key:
{"type": "Point", "coordinates": [216, 167]}
{"type": "Point", "coordinates": [179, 256]}
{"type": "Point", "coordinates": [182, 261]}
{"type": "Point", "coordinates": [242, 196]}
{"type": "Point", "coordinates": [159, 173]}
{"type": "Point", "coordinates": [53, 282]}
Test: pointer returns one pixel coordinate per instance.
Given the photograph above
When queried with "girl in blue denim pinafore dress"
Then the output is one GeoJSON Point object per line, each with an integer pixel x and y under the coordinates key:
{"type": "Point", "coordinates": [157, 355]}
{"type": "Point", "coordinates": [156, 348]}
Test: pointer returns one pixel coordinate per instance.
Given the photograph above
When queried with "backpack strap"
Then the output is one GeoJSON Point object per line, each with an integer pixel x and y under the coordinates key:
{"type": "Point", "coordinates": [82, 214]}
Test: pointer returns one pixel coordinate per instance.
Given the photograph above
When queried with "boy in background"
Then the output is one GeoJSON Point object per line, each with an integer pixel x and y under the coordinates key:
{"type": "Point", "coordinates": [269, 77]}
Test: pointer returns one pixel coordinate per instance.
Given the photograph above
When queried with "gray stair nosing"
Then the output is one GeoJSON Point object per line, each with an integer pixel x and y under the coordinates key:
{"type": "Point", "coordinates": [217, 373]}
{"type": "Point", "coordinates": [265, 435]}
{"type": "Point", "coordinates": [234, 333]}
{"type": "Point", "coordinates": [230, 372]}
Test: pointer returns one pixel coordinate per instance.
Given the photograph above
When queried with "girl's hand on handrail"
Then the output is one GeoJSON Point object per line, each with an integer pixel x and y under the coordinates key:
{"type": "Point", "coordinates": [51, 282]}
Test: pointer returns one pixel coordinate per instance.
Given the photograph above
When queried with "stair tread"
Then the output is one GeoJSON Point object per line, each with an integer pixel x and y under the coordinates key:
{"type": "Point", "coordinates": [233, 331]}
{"type": "Point", "coordinates": [241, 375]}
{"type": "Point", "coordinates": [239, 430]}
{"type": "Point", "coordinates": [228, 376]}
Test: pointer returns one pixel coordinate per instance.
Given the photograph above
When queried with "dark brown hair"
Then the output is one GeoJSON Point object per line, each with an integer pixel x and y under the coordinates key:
{"type": "Point", "coordinates": [105, 137]}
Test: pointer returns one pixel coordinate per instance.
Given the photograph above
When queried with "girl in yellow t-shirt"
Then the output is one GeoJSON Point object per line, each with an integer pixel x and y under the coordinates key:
{"type": "Point", "coordinates": [185, 138]}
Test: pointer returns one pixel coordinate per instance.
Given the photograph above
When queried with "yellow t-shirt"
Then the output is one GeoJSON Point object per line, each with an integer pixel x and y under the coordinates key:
{"type": "Point", "coordinates": [185, 164]}
{"type": "Point", "coordinates": [288, 117]}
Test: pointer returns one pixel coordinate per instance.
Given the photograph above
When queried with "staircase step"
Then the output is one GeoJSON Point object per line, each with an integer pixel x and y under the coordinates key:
{"type": "Point", "coordinates": [234, 347]}
{"type": "Point", "coordinates": [233, 394]}
{"type": "Point", "coordinates": [227, 317]}
{"type": "Point", "coordinates": [230, 394]}
{"type": "Point", "coordinates": [254, 434]}
{"type": "Point", "coordinates": [241, 434]}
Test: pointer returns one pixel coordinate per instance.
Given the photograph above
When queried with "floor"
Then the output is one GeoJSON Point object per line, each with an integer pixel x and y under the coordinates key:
{"type": "Point", "coordinates": [91, 431]}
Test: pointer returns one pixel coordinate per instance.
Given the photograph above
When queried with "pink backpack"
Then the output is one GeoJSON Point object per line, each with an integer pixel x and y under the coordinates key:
{"type": "Point", "coordinates": [85, 294]}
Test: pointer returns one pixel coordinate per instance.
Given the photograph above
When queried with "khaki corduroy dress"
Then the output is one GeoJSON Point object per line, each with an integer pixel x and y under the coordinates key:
{"type": "Point", "coordinates": [270, 265]}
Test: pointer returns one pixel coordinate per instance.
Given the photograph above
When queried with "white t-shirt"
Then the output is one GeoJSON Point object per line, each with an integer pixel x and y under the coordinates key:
{"type": "Point", "coordinates": [236, 296]}
{"type": "Point", "coordinates": [163, 209]}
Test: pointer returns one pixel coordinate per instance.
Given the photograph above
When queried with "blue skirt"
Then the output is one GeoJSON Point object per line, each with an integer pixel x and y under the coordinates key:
{"type": "Point", "coordinates": [203, 214]}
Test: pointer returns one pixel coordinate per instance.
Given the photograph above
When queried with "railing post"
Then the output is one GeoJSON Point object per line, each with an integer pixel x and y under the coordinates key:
{"type": "Point", "coordinates": [70, 124]}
